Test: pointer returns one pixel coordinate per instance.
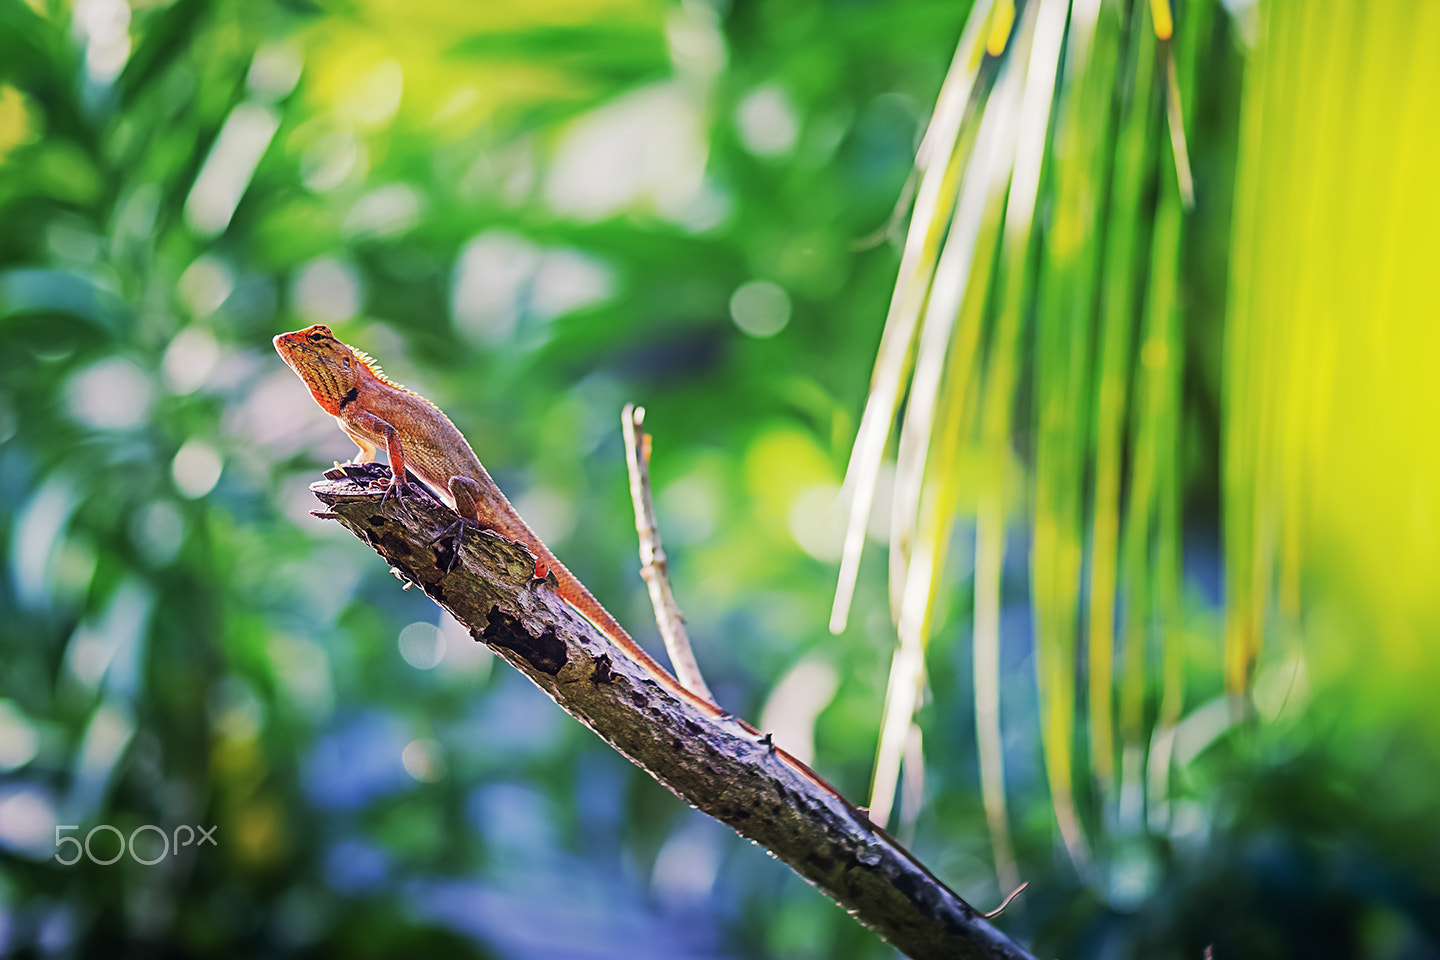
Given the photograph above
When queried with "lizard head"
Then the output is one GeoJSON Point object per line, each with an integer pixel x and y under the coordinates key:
{"type": "Point", "coordinates": [329, 368]}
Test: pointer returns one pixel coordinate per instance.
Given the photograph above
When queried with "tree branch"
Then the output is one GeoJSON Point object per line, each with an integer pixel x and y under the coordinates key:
{"type": "Point", "coordinates": [654, 568]}
{"type": "Point", "coordinates": [718, 764]}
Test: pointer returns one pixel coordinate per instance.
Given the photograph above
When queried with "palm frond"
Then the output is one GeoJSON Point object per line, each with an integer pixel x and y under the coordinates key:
{"type": "Point", "coordinates": [975, 226]}
{"type": "Point", "coordinates": [937, 160]}
{"type": "Point", "coordinates": [1095, 270]}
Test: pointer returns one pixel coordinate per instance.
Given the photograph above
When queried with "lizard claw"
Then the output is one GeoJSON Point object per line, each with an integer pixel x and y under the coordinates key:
{"type": "Point", "coordinates": [396, 490]}
{"type": "Point", "coordinates": [455, 533]}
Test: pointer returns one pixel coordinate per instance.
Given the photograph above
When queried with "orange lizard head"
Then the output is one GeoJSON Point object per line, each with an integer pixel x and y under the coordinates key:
{"type": "Point", "coordinates": [329, 368]}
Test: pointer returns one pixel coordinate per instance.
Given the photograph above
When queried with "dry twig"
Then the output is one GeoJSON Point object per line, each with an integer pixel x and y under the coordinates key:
{"type": "Point", "coordinates": [653, 565]}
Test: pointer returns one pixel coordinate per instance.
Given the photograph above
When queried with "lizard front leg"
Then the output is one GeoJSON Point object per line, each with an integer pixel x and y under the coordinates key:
{"type": "Point", "coordinates": [362, 423]}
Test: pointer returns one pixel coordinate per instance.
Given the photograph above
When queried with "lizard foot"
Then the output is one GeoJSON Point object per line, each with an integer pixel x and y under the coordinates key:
{"type": "Point", "coordinates": [396, 490]}
{"type": "Point", "coordinates": [446, 558]}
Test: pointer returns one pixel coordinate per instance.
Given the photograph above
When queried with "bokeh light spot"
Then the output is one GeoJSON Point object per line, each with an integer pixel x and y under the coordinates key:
{"type": "Point", "coordinates": [491, 280]}
{"type": "Point", "coordinates": [384, 211]}
{"type": "Point", "coordinates": [110, 395]}
{"type": "Point", "coordinates": [205, 285]}
{"type": "Point", "coordinates": [767, 122]}
{"type": "Point", "coordinates": [422, 645]}
{"type": "Point", "coordinates": [567, 280]}
{"type": "Point", "coordinates": [104, 25]}
{"type": "Point", "coordinates": [229, 167]}
{"type": "Point", "coordinates": [645, 151]}
{"type": "Point", "coordinates": [424, 760]}
{"type": "Point", "coordinates": [817, 523]}
{"type": "Point", "coordinates": [196, 468]}
{"type": "Point", "coordinates": [19, 741]}
{"type": "Point", "coordinates": [274, 71]}
{"type": "Point", "coordinates": [327, 290]}
{"type": "Point", "coordinates": [760, 308]}
{"type": "Point", "coordinates": [158, 530]}
{"type": "Point", "coordinates": [19, 121]}
{"type": "Point", "coordinates": [27, 821]}
{"type": "Point", "coordinates": [373, 97]}
{"type": "Point", "coordinates": [189, 360]}
{"type": "Point", "coordinates": [331, 160]}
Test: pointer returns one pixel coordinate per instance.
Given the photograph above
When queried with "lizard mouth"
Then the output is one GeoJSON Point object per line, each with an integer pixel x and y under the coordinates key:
{"type": "Point", "coordinates": [289, 344]}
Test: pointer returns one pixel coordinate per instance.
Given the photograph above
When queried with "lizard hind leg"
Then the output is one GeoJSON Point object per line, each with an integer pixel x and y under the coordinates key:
{"type": "Point", "coordinates": [449, 556]}
{"type": "Point", "coordinates": [469, 495]}
{"type": "Point", "coordinates": [466, 493]}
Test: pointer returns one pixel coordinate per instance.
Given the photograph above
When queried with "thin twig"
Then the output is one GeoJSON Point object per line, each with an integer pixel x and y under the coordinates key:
{"type": "Point", "coordinates": [1006, 902]}
{"type": "Point", "coordinates": [653, 565]}
{"type": "Point", "coordinates": [890, 229]}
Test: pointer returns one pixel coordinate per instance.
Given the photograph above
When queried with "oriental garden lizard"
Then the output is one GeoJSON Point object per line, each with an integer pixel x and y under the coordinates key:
{"type": "Point", "coordinates": [375, 411]}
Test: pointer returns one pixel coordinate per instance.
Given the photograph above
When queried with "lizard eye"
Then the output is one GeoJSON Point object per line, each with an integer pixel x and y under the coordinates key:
{"type": "Point", "coordinates": [345, 362]}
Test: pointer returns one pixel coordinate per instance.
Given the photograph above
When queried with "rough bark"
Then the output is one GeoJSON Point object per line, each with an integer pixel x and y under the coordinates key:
{"type": "Point", "coordinates": [717, 764]}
